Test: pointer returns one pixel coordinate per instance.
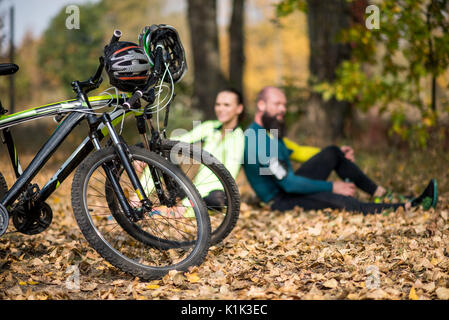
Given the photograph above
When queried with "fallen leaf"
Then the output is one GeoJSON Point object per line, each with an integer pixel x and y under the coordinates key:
{"type": "Point", "coordinates": [332, 284]}
{"type": "Point", "coordinates": [36, 262]}
{"type": "Point", "coordinates": [429, 287]}
{"type": "Point", "coordinates": [413, 244]}
{"type": "Point", "coordinates": [14, 291]}
{"type": "Point", "coordinates": [192, 277]}
{"type": "Point", "coordinates": [412, 294]}
{"type": "Point", "coordinates": [376, 294]}
{"type": "Point", "coordinates": [316, 230]}
{"type": "Point", "coordinates": [89, 287]}
{"type": "Point", "coordinates": [442, 293]}
{"type": "Point", "coordinates": [152, 286]}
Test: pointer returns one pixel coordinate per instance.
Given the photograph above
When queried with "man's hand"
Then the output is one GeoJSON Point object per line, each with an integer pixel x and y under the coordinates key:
{"type": "Point", "coordinates": [349, 152]}
{"type": "Point", "coordinates": [343, 188]}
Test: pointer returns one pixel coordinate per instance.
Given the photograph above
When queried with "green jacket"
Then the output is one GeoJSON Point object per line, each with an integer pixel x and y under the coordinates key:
{"type": "Point", "coordinates": [228, 151]}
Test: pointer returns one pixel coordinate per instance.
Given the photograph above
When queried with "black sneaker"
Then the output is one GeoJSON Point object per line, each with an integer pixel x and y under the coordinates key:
{"type": "Point", "coordinates": [429, 198]}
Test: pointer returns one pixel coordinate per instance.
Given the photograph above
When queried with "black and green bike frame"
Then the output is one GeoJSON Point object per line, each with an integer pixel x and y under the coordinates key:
{"type": "Point", "coordinates": [74, 111]}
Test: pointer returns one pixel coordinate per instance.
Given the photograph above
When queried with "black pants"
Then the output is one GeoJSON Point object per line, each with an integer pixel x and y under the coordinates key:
{"type": "Point", "coordinates": [319, 167]}
{"type": "Point", "coordinates": [215, 199]}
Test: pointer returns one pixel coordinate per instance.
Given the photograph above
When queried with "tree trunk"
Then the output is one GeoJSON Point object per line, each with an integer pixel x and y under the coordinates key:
{"type": "Point", "coordinates": [236, 46]}
{"type": "Point", "coordinates": [208, 78]}
{"type": "Point", "coordinates": [326, 18]}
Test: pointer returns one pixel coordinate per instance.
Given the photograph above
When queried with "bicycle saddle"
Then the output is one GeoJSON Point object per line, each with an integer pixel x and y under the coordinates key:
{"type": "Point", "coordinates": [8, 68]}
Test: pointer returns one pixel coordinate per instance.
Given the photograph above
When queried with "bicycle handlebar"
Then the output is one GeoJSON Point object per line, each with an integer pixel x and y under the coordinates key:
{"type": "Point", "coordinates": [96, 77]}
{"type": "Point", "coordinates": [94, 82]}
{"type": "Point", "coordinates": [115, 36]}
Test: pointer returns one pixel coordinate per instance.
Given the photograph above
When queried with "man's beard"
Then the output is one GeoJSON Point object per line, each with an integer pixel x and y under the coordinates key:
{"type": "Point", "coordinates": [272, 123]}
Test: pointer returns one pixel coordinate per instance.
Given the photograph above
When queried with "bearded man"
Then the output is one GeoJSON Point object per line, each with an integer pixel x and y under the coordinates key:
{"type": "Point", "coordinates": [269, 171]}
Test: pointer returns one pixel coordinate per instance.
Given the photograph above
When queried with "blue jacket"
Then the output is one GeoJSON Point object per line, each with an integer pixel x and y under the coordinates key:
{"type": "Point", "coordinates": [268, 168]}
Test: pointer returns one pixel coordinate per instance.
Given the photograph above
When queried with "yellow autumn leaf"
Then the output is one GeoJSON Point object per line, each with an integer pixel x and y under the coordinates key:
{"type": "Point", "coordinates": [152, 286]}
{"type": "Point", "coordinates": [412, 295]}
{"type": "Point", "coordinates": [192, 277]}
{"type": "Point", "coordinates": [22, 283]}
{"type": "Point", "coordinates": [352, 296]}
{"type": "Point", "coordinates": [31, 282]}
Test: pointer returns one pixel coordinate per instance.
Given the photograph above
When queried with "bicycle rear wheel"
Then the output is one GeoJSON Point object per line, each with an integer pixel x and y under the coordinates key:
{"type": "Point", "coordinates": [169, 236]}
{"type": "Point", "coordinates": [207, 173]}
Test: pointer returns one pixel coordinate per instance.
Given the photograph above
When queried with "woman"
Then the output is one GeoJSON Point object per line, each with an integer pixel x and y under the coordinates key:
{"type": "Point", "coordinates": [224, 139]}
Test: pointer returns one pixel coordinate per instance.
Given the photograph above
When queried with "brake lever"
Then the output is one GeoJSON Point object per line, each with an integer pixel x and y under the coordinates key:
{"type": "Point", "coordinates": [97, 76]}
{"type": "Point", "coordinates": [149, 96]}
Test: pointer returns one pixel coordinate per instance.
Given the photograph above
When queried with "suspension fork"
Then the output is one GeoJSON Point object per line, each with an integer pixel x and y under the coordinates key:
{"type": "Point", "coordinates": [122, 152]}
{"type": "Point", "coordinates": [154, 145]}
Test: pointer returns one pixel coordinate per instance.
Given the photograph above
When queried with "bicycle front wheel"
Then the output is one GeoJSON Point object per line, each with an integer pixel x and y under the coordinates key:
{"type": "Point", "coordinates": [171, 235]}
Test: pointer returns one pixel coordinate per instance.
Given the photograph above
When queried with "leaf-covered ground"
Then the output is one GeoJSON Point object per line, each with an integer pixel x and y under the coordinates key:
{"type": "Point", "coordinates": [269, 255]}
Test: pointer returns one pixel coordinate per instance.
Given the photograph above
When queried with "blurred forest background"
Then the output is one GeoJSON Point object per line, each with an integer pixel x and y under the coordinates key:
{"type": "Point", "coordinates": [369, 73]}
{"type": "Point", "coordinates": [352, 74]}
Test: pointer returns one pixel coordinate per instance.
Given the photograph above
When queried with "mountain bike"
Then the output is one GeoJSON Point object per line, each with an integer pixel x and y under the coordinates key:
{"type": "Point", "coordinates": [146, 241]}
{"type": "Point", "coordinates": [193, 161]}
{"type": "Point", "coordinates": [198, 164]}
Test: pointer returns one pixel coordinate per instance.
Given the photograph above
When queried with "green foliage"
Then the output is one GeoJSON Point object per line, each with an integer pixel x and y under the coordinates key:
{"type": "Point", "coordinates": [391, 67]}
{"type": "Point", "coordinates": [285, 7]}
{"type": "Point", "coordinates": [296, 98]}
{"type": "Point", "coordinates": [72, 54]}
